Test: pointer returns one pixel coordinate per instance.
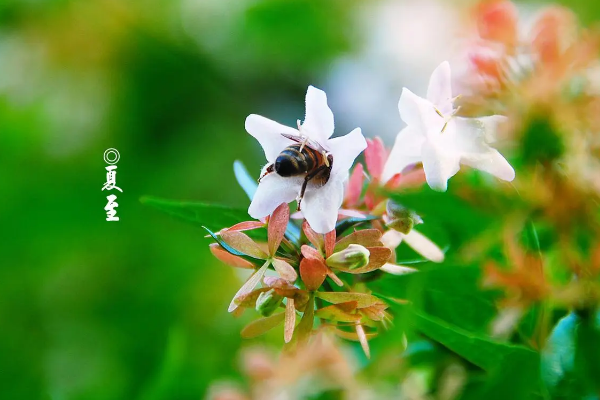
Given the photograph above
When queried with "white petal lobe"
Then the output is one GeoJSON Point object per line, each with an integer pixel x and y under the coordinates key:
{"type": "Point", "coordinates": [271, 192]}
{"type": "Point", "coordinates": [345, 149]}
{"type": "Point", "coordinates": [269, 135]}
{"type": "Point", "coordinates": [491, 162]}
{"type": "Point", "coordinates": [439, 166]}
{"type": "Point", "coordinates": [422, 245]}
{"type": "Point", "coordinates": [392, 239]}
{"type": "Point", "coordinates": [318, 122]}
{"type": "Point", "coordinates": [419, 113]}
{"type": "Point", "coordinates": [406, 151]}
{"type": "Point", "coordinates": [320, 205]}
{"type": "Point", "coordinates": [490, 126]}
{"type": "Point", "coordinates": [439, 91]}
{"type": "Point", "coordinates": [471, 135]}
{"type": "Point", "coordinates": [397, 269]}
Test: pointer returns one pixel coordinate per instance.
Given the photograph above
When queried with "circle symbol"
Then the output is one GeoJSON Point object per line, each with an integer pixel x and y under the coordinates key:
{"type": "Point", "coordinates": [111, 156]}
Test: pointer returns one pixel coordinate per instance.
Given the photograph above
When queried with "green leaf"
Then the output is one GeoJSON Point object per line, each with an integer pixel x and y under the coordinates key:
{"type": "Point", "coordinates": [450, 292]}
{"type": "Point", "coordinates": [461, 220]}
{"type": "Point", "coordinates": [531, 237]}
{"type": "Point", "coordinates": [245, 180]}
{"type": "Point", "coordinates": [477, 349]}
{"type": "Point", "coordinates": [214, 217]}
{"type": "Point", "coordinates": [587, 356]}
{"type": "Point", "coordinates": [521, 369]}
{"type": "Point", "coordinates": [532, 326]}
{"type": "Point", "coordinates": [503, 362]}
{"type": "Point", "coordinates": [570, 361]}
{"type": "Point", "coordinates": [422, 351]}
{"type": "Point", "coordinates": [541, 141]}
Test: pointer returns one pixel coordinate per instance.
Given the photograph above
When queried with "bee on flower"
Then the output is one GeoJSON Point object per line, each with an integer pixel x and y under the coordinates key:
{"type": "Point", "coordinates": [304, 163]}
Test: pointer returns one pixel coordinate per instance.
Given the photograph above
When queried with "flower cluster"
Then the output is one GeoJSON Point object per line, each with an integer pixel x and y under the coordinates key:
{"type": "Point", "coordinates": [350, 228]}
{"type": "Point", "coordinates": [544, 56]}
{"type": "Point", "coordinates": [545, 80]}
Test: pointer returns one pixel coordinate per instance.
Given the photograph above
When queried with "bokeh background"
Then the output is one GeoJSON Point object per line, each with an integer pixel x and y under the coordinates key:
{"type": "Point", "coordinates": [137, 309]}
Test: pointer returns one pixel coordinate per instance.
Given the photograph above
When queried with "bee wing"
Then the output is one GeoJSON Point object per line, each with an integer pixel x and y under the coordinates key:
{"type": "Point", "coordinates": [310, 143]}
{"type": "Point", "coordinates": [292, 137]}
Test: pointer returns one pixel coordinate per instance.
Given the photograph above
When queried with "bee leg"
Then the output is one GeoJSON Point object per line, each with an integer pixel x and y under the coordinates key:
{"type": "Point", "coordinates": [269, 170]}
{"type": "Point", "coordinates": [306, 180]}
{"type": "Point", "coordinates": [301, 196]}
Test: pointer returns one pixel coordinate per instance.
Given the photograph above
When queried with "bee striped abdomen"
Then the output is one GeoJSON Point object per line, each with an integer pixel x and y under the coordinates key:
{"type": "Point", "coordinates": [293, 162]}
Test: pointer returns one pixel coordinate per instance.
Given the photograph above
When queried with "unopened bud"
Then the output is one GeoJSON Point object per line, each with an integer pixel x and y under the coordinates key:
{"type": "Point", "coordinates": [353, 257]}
{"type": "Point", "coordinates": [268, 302]}
{"type": "Point", "coordinates": [401, 218]}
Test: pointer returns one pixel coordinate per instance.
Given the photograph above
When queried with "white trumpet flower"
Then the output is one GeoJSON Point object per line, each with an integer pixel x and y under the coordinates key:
{"type": "Point", "coordinates": [442, 141]}
{"type": "Point", "coordinates": [321, 201]}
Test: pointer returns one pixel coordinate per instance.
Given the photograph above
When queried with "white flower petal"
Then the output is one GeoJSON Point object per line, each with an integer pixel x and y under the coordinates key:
{"type": "Point", "coordinates": [271, 192]}
{"type": "Point", "coordinates": [491, 162]}
{"type": "Point", "coordinates": [490, 126]}
{"type": "Point", "coordinates": [268, 133]}
{"type": "Point", "coordinates": [439, 91]}
{"type": "Point", "coordinates": [392, 239]}
{"type": "Point", "coordinates": [351, 213]}
{"type": "Point", "coordinates": [406, 151]}
{"type": "Point", "coordinates": [419, 113]}
{"type": "Point", "coordinates": [321, 203]}
{"type": "Point", "coordinates": [475, 152]}
{"type": "Point", "coordinates": [473, 134]}
{"type": "Point", "coordinates": [397, 269]}
{"type": "Point", "coordinates": [318, 122]}
{"type": "Point", "coordinates": [297, 215]}
{"type": "Point", "coordinates": [425, 247]}
{"type": "Point", "coordinates": [345, 149]}
{"type": "Point", "coordinates": [439, 165]}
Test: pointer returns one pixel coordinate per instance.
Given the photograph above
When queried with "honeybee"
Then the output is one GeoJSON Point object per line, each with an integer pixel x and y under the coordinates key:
{"type": "Point", "coordinates": [302, 158]}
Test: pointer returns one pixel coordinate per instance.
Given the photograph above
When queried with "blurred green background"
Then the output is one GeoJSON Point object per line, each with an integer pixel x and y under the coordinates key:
{"type": "Point", "coordinates": [136, 309]}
